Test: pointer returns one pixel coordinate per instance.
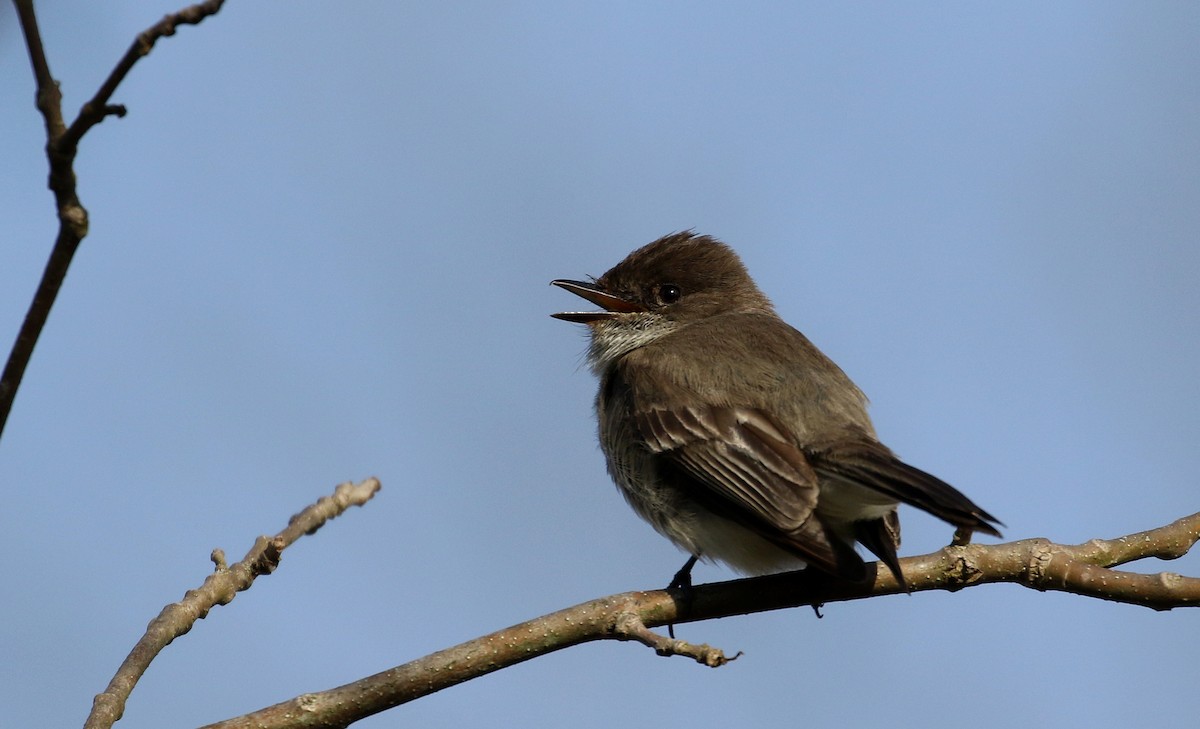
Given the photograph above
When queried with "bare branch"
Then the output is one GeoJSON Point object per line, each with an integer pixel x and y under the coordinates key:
{"type": "Point", "coordinates": [219, 588]}
{"type": "Point", "coordinates": [72, 216]}
{"type": "Point", "coordinates": [61, 146]}
{"type": "Point", "coordinates": [49, 100]}
{"type": "Point", "coordinates": [629, 626]}
{"type": "Point", "coordinates": [97, 108]}
{"type": "Point", "coordinates": [1035, 563]}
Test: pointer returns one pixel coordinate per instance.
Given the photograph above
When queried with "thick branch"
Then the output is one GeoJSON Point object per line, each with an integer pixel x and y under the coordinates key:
{"type": "Point", "coordinates": [61, 146]}
{"type": "Point", "coordinates": [218, 589]}
{"type": "Point", "coordinates": [1035, 563]}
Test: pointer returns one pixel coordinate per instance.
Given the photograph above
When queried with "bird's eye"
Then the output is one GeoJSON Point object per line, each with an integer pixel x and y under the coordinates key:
{"type": "Point", "coordinates": [669, 293]}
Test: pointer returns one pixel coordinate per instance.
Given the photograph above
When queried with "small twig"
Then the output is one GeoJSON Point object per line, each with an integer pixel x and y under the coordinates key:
{"type": "Point", "coordinates": [61, 146]}
{"type": "Point", "coordinates": [49, 99]}
{"type": "Point", "coordinates": [629, 626]}
{"type": "Point", "coordinates": [1034, 563]}
{"type": "Point", "coordinates": [97, 108]}
{"type": "Point", "coordinates": [1168, 542]}
{"type": "Point", "coordinates": [219, 588]}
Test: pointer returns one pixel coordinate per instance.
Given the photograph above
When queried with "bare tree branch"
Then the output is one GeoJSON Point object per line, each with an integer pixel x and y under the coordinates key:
{"type": "Point", "coordinates": [1036, 563]}
{"type": "Point", "coordinates": [97, 108]}
{"type": "Point", "coordinates": [219, 588]}
{"type": "Point", "coordinates": [61, 146]}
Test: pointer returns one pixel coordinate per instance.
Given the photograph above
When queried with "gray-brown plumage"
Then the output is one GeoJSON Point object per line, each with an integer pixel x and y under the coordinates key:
{"type": "Point", "coordinates": [730, 432]}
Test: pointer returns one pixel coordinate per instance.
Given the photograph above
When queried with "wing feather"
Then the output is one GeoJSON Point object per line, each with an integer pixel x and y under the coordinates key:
{"type": "Point", "coordinates": [743, 466]}
{"type": "Point", "coordinates": [741, 457]}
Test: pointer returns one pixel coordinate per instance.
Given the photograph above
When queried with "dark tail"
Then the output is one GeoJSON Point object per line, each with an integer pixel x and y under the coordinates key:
{"type": "Point", "coordinates": [871, 464]}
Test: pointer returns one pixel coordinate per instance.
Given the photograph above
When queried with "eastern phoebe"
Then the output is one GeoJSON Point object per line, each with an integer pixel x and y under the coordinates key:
{"type": "Point", "coordinates": [733, 435]}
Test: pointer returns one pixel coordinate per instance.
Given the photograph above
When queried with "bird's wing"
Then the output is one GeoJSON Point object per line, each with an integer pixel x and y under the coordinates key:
{"type": "Point", "coordinates": [746, 468]}
{"type": "Point", "coordinates": [741, 455]}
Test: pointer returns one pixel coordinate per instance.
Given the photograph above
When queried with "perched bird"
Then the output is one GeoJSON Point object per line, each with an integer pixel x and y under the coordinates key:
{"type": "Point", "coordinates": [731, 433]}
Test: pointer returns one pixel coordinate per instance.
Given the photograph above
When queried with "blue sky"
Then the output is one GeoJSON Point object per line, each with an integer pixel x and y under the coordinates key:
{"type": "Point", "coordinates": [320, 247]}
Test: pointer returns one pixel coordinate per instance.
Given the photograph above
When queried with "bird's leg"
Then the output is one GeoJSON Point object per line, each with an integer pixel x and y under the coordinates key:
{"type": "Point", "coordinates": [682, 581]}
{"type": "Point", "coordinates": [683, 578]}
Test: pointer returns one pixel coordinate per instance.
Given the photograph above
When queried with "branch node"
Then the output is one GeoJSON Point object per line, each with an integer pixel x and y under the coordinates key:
{"type": "Point", "coordinates": [74, 217]}
{"type": "Point", "coordinates": [1041, 553]}
{"type": "Point", "coordinates": [1170, 580]}
{"type": "Point", "coordinates": [962, 570]}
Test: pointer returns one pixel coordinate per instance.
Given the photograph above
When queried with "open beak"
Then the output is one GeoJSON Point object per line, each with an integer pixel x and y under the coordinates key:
{"type": "Point", "coordinates": [613, 305]}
